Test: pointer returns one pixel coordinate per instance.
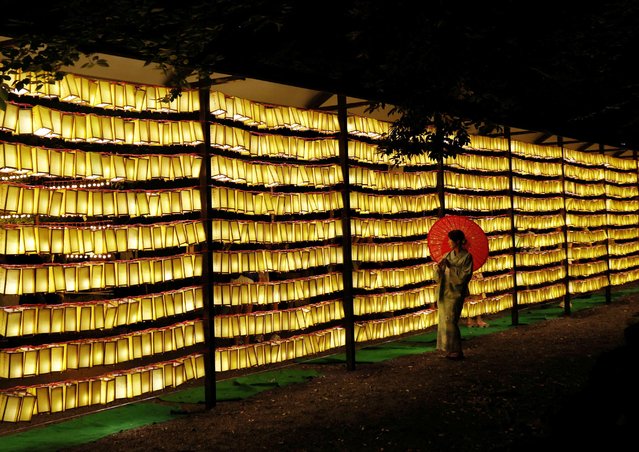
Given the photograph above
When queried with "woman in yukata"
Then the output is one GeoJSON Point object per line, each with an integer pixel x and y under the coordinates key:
{"type": "Point", "coordinates": [454, 272]}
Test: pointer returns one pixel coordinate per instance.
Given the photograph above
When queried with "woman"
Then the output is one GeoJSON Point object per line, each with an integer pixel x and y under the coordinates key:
{"type": "Point", "coordinates": [454, 273]}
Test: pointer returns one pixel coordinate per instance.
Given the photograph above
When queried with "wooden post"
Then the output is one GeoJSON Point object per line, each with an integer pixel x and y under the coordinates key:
{"type": "Point", "coordinates": [560, 143]}
{"type": "Point", "coordinates": [441, 189]}
{"type": "Point", "coordinates": [347, 300]}
{"type": "Point", "coordinates": [608, 288]}
{"type": "Point", "coordinates": [207, 261]}
{"type": "Point", "coordinates": [514, 313]}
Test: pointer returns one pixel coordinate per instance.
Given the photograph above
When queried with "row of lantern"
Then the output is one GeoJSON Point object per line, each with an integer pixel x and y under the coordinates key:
{"type": "Point", "coordinates": [26, 320]}
{"type": "Point", "coordinates": [491, 284]}
{"type": "Point", "coordinates": [480, 143]}
{"type": "Point", "coordinates": [40, 200]}
{"type": "Point", "coordinates": [394, 326]}
{"type": "Point", "coordinates": [371, 279]}
{"type": "Point", "coordinates": [478, 162]}
{"type": "Point", "coordinates": [120, 95]}
{"type": "Point", "coordinates": [498, 263]}
{"type": "Point", "coordinates": [490, 305]}
{"type": "Point", "coordinates": [524, 204]}
{"type": "Point", "coordinates": [629, 177]}
{"type": "Point", "coordinates": [494, 224]}
{"type": "Point", "coordinates": [584, 173]}
{"type": "Point", "coordinates": [264, 203]}
{"type": "Point", "coordinates": [277, 351]}
{"type": "Point", "coordinates": [590, 251]}
{"type": "Point", "coordinates": [622, 192]}
{"type": "Point", "coordinates": [527, 222]}
{"type": "Point", "coordinates": [483, 203]}
{"type": "Point", "coordinates": [394, 179]}
{"type": "Point", "coordinates": [258, 145]}
{"type": "Point", "coordinates": [394, 301]}
{"type": "Point", "coordinates": [539, 258]}
{"type": "Point", "coordinates": [523, 185]}
{"type": "Point", "coordinates": [535, 240]}
{"type": "Point", "coordinates": [593, 220]}
{"type": "Point", "coordinates": [80, 239]}
{"type": "Point", "coordinates": [499, 242]}
{"type": "Point", "coordinates": [238, 231]}
{"type": "Point", "coordinates": [366, 228]}
{"type": "Point", "coordinates": [24, 402]}
{"type": "Point", "coordinates": [290, 290]}
{"type": "Point", "coordinates": [540, 187]}
{"type": "Point", "coordinates": [267, 322]}
{"type": "Point", "coordinates": [106, 94]}
{"type": "Point", "coordinates": [227, 169]}
{"type": "Point", "coordinates": [599, 159]}
{"type": "Point", "coordinates": [537, 151]}
{"type": "Point", "coordinates": [623, 234]}
{"type": "Point", "coordinates": [621, 249]}
{"type": "Point", "coordinates": [536, 168]}
{"type": "Point", "coordinates": [621, 263]}
{"type": "Point", "coordinates": [473, 182]}
{"type": "Point", "coordinates": [29, 360]}
{"type": "Point", "coordinates": [46, 122]}
{"type": "Point", "coordinates": [544, 275]}
{"type": "Point", "coordinates": [588, 285]}
{"type": "Point", "coordinates": [32, 200]}
{"type": "Point", "coordinates": [589, 189]}
{"type": "Point", "coordinates": [385, 252]}
{"type": "Point", "coordinates": [521, 204]}
{"type": "Point", "coordinates": [264, 260]}
{"type": "Point", "coordinates": [48, 278]}
{"type": "Point", "coordinates": [16, 158]}
{"type": "Point", "coordinates": [539, 294]}
{"type": "Point", "coordinates": [619, 278]}
{"type": "Point", "coordinates": [365, 203]}
{"type": "Point", "coordinates": [583, 269]}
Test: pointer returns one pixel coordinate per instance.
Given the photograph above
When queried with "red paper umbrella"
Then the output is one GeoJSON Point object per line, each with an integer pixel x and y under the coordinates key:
{"type": "Point", "coordinates": [477, 242]}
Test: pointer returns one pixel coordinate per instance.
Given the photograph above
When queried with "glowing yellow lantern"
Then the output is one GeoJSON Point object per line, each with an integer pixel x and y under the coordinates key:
{"type": "Point", "coordinates": [72, 355]}
{"type": "Point", "coordinates": [9, 117]}
{"type": "Point", "coordinates": [11, 406]}
{"type": "Point", "coordinates": [42, 399]}
{"type": "Point", "coordinates": [109, 353]}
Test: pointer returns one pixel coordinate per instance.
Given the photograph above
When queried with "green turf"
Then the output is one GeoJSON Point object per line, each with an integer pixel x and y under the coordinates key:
{"type": "Point", "coordinates": [86, 428]}
{"type": "Point", "coordinates": [243, 387]}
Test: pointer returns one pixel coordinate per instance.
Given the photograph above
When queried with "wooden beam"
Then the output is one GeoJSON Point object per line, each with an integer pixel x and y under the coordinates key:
{"type": "Point", "coordinates": [318, 99]}
{"type": "Point", "coordinates": [351, 105]}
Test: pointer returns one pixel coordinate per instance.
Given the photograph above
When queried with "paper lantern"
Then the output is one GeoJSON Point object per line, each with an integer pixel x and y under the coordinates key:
{"type": "Point", "coordinates": [110, 353]}
{"type": "Point", "coordinates": [72, 355]}
{"type": "Point", "coordinates": [83, 393]}
{"type": "Point", "coordinates": [10, 404]}
{"type": "Point", "coordinates": [108, 389]}
{"type": "Point", "coordinates": [121, 386]}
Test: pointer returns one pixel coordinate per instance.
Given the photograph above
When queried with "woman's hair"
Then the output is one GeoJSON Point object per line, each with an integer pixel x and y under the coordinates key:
{"type": "Point", "coordinates": [458, 237]}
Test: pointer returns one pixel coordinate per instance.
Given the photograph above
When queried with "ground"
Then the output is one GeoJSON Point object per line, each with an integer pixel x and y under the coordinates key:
{"type": "Point", "coordinates": [563, 381]}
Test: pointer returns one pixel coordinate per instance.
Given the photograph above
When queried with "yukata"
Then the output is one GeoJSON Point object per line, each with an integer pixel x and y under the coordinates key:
{"type": "Point", "coordinates": [453, 289]}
